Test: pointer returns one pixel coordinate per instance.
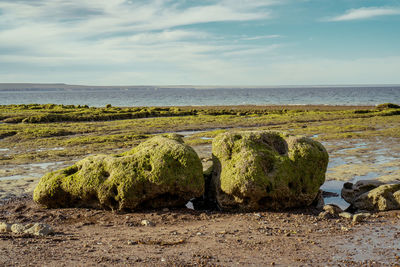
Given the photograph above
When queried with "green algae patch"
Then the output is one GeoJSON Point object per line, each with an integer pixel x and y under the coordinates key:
{"type": "Point", "coordinates": [257, 170]}
{"type": "Point", "coordinates": [160, 172]}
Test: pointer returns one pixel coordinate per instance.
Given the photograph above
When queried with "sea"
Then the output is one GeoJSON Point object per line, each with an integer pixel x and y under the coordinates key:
{"type": "Point", "coordinates": [202, 96]}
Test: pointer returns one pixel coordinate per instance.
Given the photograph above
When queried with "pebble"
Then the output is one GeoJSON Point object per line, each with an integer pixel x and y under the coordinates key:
{"type": "Point", "coordinates": [40, 229]}
{"type": "Point", "coordinates": [18, 228]}
{"type": "Point", "coordinates": [5, 227]}
{"type": "Point", "coordinates": [324, 215]}
{"type": "Point", "coordinates": [332, 209]}
{"type": "Point", "coordinates": [359, 217]}
{"type": "Point", "coordinates": [146, 223]}
{"type": "Point", "coordinates": [346, 215]}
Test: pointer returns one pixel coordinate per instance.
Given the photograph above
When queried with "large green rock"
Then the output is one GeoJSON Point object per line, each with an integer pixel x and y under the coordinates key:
{"type": "Point", "coordinates": [160, 172]}
{"type": "Point", "coordinates": [256, 170]}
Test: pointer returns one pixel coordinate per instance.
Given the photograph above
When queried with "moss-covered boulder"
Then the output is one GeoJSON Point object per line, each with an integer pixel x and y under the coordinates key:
{"type": "Point", "coordinates": [257, 170]}
{"type": "Point", "coordinates": [160, 172]}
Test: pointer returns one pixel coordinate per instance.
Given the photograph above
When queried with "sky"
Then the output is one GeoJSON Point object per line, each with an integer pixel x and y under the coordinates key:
{"type": "Point", "coordinates": [210, 42]}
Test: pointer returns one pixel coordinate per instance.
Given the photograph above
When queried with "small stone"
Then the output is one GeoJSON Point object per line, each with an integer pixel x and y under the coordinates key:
{"type": "Point", "coordinates": [346, 215]}
{"type": "Point", "coordinates": [130, 242]}
{"type": "Point", "coordinates": [324, 215]}
{"type": "Point", "coordinates": [165, 209]}
{"type": "Point", "coordinates": [39, 229]}
{"type": "Point", "coordinates": [258, 215]}
{"type": "Point", "coordinates": [146, 223]}
{"type": "Point", "coordinates": [332, 209]}
{"type": "Point", "coordinates": [359, 217]}
{"type": "Point", "coordinates": [344, 229]}
{"type": "Point", "coordinates": [199, 234]}
{"type": "Point", "coordinates": [5, 227]}
{"type": "Point", "coordinates": [18, 228]}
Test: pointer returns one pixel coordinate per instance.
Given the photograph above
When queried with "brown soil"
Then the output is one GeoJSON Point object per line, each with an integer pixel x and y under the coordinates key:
{"type": "Point", "coordinates": [184, 237]}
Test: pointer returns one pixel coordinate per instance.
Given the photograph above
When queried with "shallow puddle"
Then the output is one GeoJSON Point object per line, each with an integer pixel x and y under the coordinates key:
{"type": "Point", "coordinates": [50, 149]}
{"type": "Point", "coordinates": [20, 176]}
{"type": "Point", "coordinates": [356, 160]}
{"type": "Point", "coordinates": [334, 186]}
{"type": "Point", "coordinates": [29, 170]}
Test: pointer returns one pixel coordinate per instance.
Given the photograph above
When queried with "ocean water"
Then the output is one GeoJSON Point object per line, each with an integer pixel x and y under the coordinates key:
{"type": "Point", "coordinates": [152, 96]}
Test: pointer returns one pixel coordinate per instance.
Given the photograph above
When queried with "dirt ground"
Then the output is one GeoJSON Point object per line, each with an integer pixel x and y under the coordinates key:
{"type": "Point", "coordinates": [185, 237]}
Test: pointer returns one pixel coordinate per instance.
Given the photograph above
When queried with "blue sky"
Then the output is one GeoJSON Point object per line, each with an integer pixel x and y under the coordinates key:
{"type": "Point", "coordinates": [212, 42]}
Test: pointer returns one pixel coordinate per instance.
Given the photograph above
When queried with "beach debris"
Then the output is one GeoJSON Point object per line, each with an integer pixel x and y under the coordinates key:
{"type": "Point", "coordinates": [160, 172]}
{"type": "Point", "coordinates": [371, 195]}
{"type": "Point", "coordinates": [38, 229]}
{"type": "Point", "coordinates": [256, 170]}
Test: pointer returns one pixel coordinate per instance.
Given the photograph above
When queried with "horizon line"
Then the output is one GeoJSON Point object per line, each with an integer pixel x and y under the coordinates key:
{"type": "Point", "coordinates": [209, 86]}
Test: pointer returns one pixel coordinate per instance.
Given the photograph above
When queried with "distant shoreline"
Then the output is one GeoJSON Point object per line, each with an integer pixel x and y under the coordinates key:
{"type": "Point", "coordinates": [63, 86]}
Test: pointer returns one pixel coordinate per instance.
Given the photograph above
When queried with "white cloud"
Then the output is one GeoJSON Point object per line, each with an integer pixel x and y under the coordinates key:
{"type": "Point", "coordinates": [119, 41]}
{"type": "Point", "coordinates": [365, 13]}
{"type": "Point", "coordinates": [373, 70]}
{"type": "Point", "coordinates": [260, 37]}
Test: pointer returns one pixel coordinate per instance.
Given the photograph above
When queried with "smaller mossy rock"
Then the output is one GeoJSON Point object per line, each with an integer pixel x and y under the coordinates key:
{"type": "Point", "coordinates": [350, 192]}
{"type": "Point", "coordinates": [258, 170]}
{"type": "Point", "coordinates": [160, 172]}
{"type": "Point", "coordinates": [382, 198]}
